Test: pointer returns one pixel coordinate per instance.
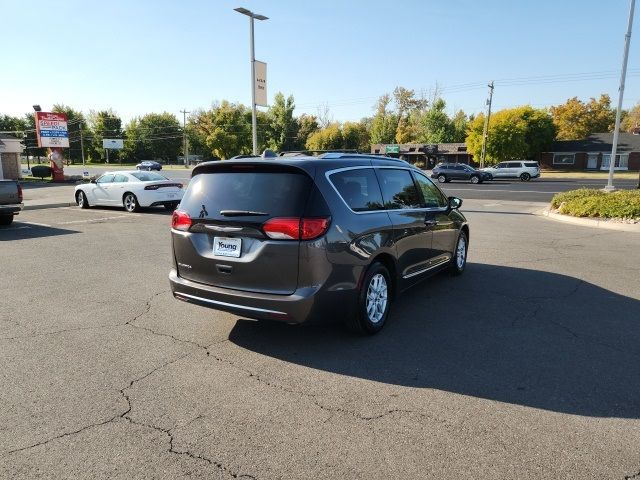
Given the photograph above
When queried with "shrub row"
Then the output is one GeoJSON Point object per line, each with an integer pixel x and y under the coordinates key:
{"type": "Point", "coordinates": [596, 203]}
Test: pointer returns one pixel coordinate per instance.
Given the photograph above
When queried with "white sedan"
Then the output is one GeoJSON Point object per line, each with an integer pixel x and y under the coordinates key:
{"type": "Point", "coordinates": [131, 190]}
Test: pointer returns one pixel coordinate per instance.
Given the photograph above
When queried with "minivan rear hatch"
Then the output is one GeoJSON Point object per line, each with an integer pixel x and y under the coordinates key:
{"type": "Point", "coordinates": [225, 245]}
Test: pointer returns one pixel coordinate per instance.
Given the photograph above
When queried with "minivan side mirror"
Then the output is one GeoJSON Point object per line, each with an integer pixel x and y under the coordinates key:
{"type": "Point", "coordinates": [93, 180]}
{"type": "Point", "coordinates": [455, 202]}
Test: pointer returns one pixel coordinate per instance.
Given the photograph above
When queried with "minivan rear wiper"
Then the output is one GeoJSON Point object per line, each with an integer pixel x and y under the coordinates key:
{"type": "Point", "coordinates": [242, 213]}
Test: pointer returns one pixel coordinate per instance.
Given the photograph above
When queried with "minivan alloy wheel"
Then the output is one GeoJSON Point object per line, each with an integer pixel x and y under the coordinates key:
{"type": "Point", "coordinates": [461, 252]}
{"type": "Point", "coordinates": [377, 294]}
{"type": "Point", "coordinates": [525, 177]}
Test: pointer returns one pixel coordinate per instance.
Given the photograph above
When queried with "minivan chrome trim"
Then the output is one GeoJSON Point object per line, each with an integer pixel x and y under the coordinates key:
{"type": "Point", "coordinates": [328, 173]}
{"type": "Point", "coordinates": [225, 304]}
{"type": "Point", "coordinates": [431, 267]}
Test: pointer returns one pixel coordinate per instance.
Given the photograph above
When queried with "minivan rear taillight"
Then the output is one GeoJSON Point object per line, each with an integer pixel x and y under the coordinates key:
{"type": "Point", "coordinates": [292, 228]}
{"type": "Point", "coordinates": [180, 221]}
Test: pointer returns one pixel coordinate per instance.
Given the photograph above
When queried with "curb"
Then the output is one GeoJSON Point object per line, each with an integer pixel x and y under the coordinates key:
{"type": "Point", "coordinates": [49, 205]}
{"type": "Point", "coordinates": [593, 223]}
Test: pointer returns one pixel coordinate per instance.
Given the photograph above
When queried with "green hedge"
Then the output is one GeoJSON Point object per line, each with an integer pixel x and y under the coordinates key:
{"type": "Point", "coordinates": [596, 203]}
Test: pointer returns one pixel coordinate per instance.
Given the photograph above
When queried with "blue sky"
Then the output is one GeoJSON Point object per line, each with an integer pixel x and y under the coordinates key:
{"type": "Point", "coordinates": [140, 56]}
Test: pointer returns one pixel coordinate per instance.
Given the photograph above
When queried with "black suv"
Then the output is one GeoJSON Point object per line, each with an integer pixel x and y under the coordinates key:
{"type": "Point", "coordinates": [306, 239]}
{"type": "Point", "coordinates": [445, 172]}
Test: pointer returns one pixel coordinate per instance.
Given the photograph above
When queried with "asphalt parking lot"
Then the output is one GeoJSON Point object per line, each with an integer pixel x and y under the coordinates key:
{"type": "Point", "coordinates": [525, 367]}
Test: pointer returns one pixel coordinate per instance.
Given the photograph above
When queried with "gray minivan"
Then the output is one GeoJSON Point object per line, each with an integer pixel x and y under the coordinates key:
{"type": "Point", "coordinates": [311, 239]}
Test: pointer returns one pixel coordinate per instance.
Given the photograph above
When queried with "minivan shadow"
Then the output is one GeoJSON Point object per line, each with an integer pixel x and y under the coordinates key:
{"type": "Point", "coordinates": [514, 335]}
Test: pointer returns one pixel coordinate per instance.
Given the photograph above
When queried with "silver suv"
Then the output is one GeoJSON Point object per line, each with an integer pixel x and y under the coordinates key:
{"type": "Point", "coordinates": [525, 170]}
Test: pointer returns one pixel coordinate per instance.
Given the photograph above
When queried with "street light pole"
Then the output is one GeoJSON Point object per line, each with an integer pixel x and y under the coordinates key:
{"type": "Point", "coordinates": [485, 130]}
{"type": "Point", "coordinates": [616, 131]}
{"type": "Point", "coordinates": [254, 121]}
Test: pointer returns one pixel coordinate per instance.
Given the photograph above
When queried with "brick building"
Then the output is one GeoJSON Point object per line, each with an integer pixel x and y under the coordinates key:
{"type": "Point", "coordinates": [593, 153]}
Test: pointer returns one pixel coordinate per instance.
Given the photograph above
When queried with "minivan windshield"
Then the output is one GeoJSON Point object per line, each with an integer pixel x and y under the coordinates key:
{"type": "Point", "coordinates": [276, 194]}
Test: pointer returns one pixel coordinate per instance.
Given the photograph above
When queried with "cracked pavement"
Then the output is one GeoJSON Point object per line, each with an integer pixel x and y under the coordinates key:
{"type": "Point", "coordinates": [525, 367]}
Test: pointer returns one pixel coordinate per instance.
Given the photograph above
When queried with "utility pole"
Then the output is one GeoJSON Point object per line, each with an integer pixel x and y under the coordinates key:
{"type": "Point", "coordinates": [82, 147]}
{"type": "Point", "coordinates": [623, 75]}
{"type": "Point", "coordinates": [184, 139]}
{"type": "Point", "coordinates": [485, 132]}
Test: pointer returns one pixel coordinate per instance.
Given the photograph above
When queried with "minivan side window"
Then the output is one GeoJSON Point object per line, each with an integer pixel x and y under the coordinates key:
{"type": "Point", "coordinates": [398, 189]}
{"type": "Point", "coordinates": [531, 164]}
{"type": "Point", "coordinates": [433, 198]}
{"type": "Point", "coordinates": [358, 188]}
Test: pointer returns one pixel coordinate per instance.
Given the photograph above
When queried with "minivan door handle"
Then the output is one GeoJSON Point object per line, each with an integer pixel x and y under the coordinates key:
{"type": "Point", "coordinates": [219, 228]}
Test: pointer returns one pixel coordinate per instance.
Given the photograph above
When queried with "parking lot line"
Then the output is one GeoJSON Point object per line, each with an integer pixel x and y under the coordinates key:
{"type": "Point", "coordinates": [90, 220]}
{"type": "Point", "coordinates": [504, 191]}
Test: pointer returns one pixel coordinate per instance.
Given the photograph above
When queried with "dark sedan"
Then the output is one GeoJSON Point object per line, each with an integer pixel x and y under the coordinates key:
{"type": "Point", "coordinates": [149, 165]}
{"type": "Point", "coordinates": [445, 172]}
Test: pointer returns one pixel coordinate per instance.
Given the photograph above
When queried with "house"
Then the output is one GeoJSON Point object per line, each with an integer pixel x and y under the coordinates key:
{"type": "Point", "coordinates": [10, 150]}
{"type": "Point", "coordinates": [594, 153]}
{"type": "Point", "coordinates": [426, 153]}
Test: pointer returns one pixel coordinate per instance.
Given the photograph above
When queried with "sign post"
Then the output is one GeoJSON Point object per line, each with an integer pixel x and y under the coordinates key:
{"type": "Point", "coordinates": [261, 83]}
{"type": "Point", "coordinates": [392, 149]}
{"type": "Point", "coordinates": [52, 132]}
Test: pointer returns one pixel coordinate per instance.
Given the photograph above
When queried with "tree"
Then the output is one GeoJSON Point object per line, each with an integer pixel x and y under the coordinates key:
{"type": "Point", "coordinates": [307, 124]}
{"type": "Point", "coordinates": [435, 125]}
{"type": "Point", "coordinates": [407, 105]}
{"type": "Point", "coordinates": [355, 136]}
{"type": "Point", "coordinates": [329, 138]}
{"type": "Point", "coordinates": [576, 120]}
{"type": "Point", "coordinates": [283, 127]}
{"type": "Point", "coordinates": [104, 124]}
{"type": "Point", "coordinates": [384, 123]}
{"type": "Point", "coordinates": [225, 129]}
{"type": "Point", "coordinates": [459, 124]}
{"type": "Point", "coordinates": [12, 124]}
{"type": "Point", "coordinates": [155, 136]}
{"type": "Point", "coordinates": [521, 132]}
{"type": "Point", "coordinates": [74, 119]}
{"type": "Point", "coordinates": [632, 119]}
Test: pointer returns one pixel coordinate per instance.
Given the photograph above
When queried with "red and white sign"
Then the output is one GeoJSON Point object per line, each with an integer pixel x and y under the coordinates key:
{"type": "Point", "coordinates": [51, 129]}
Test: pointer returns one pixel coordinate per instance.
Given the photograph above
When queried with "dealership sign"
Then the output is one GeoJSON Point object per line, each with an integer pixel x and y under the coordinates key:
{"type": "Point", "coordinates": [51, 129]}
{"type": "Point", "coordinates": [261, 83]}
{"type": "Point", "coordinates": [113, 143]}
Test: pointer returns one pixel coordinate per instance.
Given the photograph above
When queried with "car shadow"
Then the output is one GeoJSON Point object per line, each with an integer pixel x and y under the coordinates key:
{"type": "Point", "coordinates": [22, 231]}
{"type": "Point", "coordinates": [514, 335]}
{"type": "Point", "coordinates": [146, 210]}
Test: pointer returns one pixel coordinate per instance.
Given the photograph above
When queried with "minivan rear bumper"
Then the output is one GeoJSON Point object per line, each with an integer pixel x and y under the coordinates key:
{"type": "Point", "coordinates": [305, 305]}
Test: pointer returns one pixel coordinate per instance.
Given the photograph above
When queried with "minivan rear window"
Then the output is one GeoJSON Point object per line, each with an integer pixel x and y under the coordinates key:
{"type": "Point", "coordinates": [277, 194]}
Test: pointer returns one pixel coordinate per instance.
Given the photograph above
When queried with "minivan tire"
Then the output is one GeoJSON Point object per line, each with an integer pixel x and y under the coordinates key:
{"type": "Point", "coordinates": [525, 177]}
{"type": "Point", "coordinates": [373, 301]}
{"type": "Point", "coordinates": [6, 219]}
{"type": "Point", "coordinates": [442, 178]}
{"type": "Point", "coordinates": [458, 263]}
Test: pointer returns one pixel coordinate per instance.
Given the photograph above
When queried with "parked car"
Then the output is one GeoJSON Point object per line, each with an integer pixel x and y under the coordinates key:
{"type": "Point", "coordinates": [10, 201]}
{"type": "Point", "coordinates": [525, 170]}
{"type": "Point", "coordinates": [149, 165]}
{"type": "Point", "coordinates": [445, 172]}
{"type": "Point", "coordinates": [308, 239]}
{"type": "Point", "coordinates": [131, 190]}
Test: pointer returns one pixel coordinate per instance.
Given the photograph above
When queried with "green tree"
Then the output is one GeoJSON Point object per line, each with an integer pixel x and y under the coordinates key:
{"type": "Point", "coordinates": [12, 124]}
{"type": "Point", "coordinates": [307, 124]}
{"type": "Point", "coordinates": [74, 119]}
{"type": "Point", "coordinates": [356, 136]}
{"type": "Point", "coordinates": [435, 125]}
{"type": "Point", "coordinates": [521, 132]}
{"type": "Point", "coordinates": [283, 127]}
{"type": "Point", "coordinates": [575, 119]}
{"type": "Point", "coordinates": [460, 123]}
{"type": "Point", "coordinates": [104, 124]}
{"type": "Point", "coordinates": [155, 136]}
{"type": "Point", "coordinates": [384, 122]}
{"type": "Point", "coordinates": [225, 129]}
